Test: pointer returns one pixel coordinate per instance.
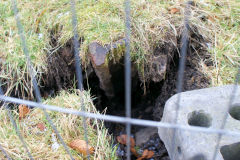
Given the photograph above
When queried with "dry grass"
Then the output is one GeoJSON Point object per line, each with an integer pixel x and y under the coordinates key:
{"type": "Point", "coordinates": [222, 32]}
{"type": "Point", "coordinates": [69, 126]}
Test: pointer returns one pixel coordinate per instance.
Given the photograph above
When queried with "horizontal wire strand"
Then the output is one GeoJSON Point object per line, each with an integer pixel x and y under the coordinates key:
{"type": "Point", "coordinates": [111, 118]}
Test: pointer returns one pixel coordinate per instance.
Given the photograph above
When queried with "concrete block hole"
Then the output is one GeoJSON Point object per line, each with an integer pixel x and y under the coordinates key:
{"type": "Point", "coordinates": [179, 150]}
{"type": "Point", "coordinates": [199, 118]}
{"type": "Point", "coordinates": [198, 157]}
{"type": "Point", "coordinates": [235, 111]}
{"type": "Point", "coordinates": [231, 152]}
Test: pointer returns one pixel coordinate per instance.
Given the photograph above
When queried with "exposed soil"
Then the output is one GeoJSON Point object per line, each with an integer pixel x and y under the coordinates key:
{"type": "Point", "coordinates": [147, 99]}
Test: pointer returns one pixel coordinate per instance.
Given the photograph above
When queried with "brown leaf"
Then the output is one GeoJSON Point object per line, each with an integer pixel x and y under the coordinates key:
{"type": "Point", "coordinates": [146, 154]}
{"type": "Point", "coordinates": [123, 140]}
{"type": "Point", "coordinates": [41, 126]}
{"type": "Point", "coordinates": [39, 19]}
{"type": "Point", "coordinates": [210, 18]}
{"type": "Point", "coordinates": [81, 146]}
{"type": "Point", "coordinates": [23, 111]}
{"type": "Point", "coordinates": [150, 154]}
{"type": "Point", "coordinates": [174, 10]}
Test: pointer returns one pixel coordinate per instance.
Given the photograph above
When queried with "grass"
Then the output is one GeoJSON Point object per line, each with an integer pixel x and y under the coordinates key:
{"type": "Point", "coordinates": [103, 21]}
{"type": "Point", "coordinates": [225, 37]}
{"type": "Point", "coordinates": [69, 126]}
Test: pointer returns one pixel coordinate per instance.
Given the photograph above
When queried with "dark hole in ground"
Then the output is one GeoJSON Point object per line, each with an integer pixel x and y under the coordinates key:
{"type": "Point", "coordinates": [60, 67]}
{"type": "Point", "coordinates": [61, 75]}
{"type": "Point", "coordinates": [116, 104]}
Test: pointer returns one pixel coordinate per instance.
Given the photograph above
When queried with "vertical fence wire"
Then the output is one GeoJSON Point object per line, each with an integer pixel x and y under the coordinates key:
{"type": "Point", "coordinates": [15, 127]}
{"type": "Point", "coordinates": [78, 67]}
{"type": "Point", "coordinates": [32, 74]}
{"type": "Point", "coordinates": [128, 74]}
{"type": "Point", "coordinates": [182, 61]}
{"type": "Point", "coordinates": [232, 97]}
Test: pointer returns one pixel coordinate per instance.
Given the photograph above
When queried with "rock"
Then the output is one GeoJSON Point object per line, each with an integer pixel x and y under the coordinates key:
{"type": "Point", "coordinates": [157, 63]}
{"type": "Point", "coordinates": [99, 56]}
{"type": "Point", "coordinates": [204, 108]}
{"type": "Point", "coordinates": [98, 53]}
{"type": "Point", "coordinates": [144, 135]}
{"type": "Point", "coordinates": [55, 144]}
{"type": "Point", "coordinates": [148, 109]}
{"type": "Point", "coordinates": [99, 62]}
{"type": "Point", "coordinates": [158, 67]}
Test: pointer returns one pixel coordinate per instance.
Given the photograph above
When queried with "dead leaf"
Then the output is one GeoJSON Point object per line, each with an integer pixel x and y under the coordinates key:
{"type": "Point", "coordinates": [210, 18]}
{"type": "Point", "coordinates": [150, 154]}
{"type": "Point", "coordinates": [41, 126]}
{"type": "Point", "coordinates": [39, 18]}
{"type": "Point", "coordinates": [174, 10]}
{"type": "Point", "coordinates": [123, 140]}
{"type": "Point", "coordinates": [23, 111]}
{"type": "Point", "coordinates": [146, 154]}
{"type": "Point", "coordinates": [81, 146]}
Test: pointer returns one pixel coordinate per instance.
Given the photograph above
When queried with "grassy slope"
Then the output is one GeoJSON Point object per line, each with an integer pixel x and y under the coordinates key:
{"type": "Point", "coordinates": [224, 33]}
{"type": "Point", "coordinates": [69, 126]}
{"type": "Point", "coordinates": [103, 21]}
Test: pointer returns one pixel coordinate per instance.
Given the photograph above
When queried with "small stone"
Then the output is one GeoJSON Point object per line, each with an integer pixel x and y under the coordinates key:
{"type": "Point", "coordinates": [98, 57]}
{"type": "Point", "coordinates": [151, 141]}
{"type": "Point", "coordinates": [144, 135]}
{"type": "Point", "coordinates": [40, 36]}
{"type": "Point", "coordinates": [98, 53]}
{"type": "Point", "coordinates": [55, 144]}
{"type": "Point", "coordinates": [140, 151]}
{"type": "Point", "coordinates": [156, 145]}
{"type": "Point", "coordinates": [148, 109]}
{"type": "Point", "coordinates": [151, 148]}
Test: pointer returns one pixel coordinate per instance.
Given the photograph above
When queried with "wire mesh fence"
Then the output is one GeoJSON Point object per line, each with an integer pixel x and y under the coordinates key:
{"type": "Point", "coordinates": [116, 119]}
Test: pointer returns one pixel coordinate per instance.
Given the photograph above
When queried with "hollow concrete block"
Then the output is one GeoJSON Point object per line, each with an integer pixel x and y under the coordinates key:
{"type": "Point", "coordinates": [204, 108]}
